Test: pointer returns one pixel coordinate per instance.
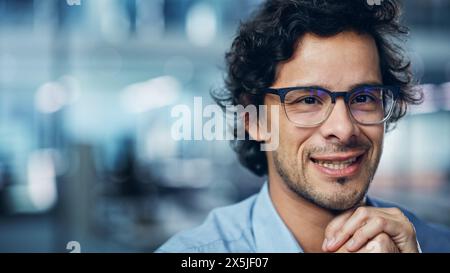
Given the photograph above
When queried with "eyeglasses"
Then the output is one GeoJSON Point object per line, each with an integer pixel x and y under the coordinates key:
{"type": "Point", "coordinates": [311, 106]}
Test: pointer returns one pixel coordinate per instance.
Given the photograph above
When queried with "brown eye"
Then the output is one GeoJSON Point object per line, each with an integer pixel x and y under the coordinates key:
{"type": "Point", "coordinates": [363, 98]}
{"type": "Point", "coordinates": [309, 100]}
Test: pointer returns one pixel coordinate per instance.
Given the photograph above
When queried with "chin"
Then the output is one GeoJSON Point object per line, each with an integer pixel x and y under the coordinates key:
{"type": "Point", "coordinates": [343, 195]}
{"type": "Point", "coordinates": [341, 203]}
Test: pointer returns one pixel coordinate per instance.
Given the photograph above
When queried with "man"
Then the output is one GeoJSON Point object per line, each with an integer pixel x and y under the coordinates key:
{"type": "Point", "coordinates": [337, 73]}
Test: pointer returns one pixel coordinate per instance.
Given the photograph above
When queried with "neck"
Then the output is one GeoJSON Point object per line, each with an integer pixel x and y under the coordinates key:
{"type": "Point", "coordinates": [306, 221]}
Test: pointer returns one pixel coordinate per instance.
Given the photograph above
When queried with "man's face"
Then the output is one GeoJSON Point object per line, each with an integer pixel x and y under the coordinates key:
{"type": "Point", "coordinates": [316, 163]}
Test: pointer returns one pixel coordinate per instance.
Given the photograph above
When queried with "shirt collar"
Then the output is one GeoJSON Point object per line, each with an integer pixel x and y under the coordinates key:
{"type": "Point", "coordinates": [271, 233]}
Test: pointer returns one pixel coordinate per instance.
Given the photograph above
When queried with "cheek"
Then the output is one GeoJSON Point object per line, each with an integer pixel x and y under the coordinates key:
{"type": "Point", "coordinates": [293, 139]}
{"type": "Point", "coordinates": [375, 134]}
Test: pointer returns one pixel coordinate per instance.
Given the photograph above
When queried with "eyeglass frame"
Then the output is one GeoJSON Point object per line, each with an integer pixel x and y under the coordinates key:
{"type": "Point", "coordinates": [282, 92]}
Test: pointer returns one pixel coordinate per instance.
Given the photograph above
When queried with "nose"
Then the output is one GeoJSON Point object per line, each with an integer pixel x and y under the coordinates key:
{"type": "Point", "coordinates": [339, 126]}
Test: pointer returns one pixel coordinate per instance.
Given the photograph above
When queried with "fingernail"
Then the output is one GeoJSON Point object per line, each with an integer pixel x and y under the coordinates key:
{"type": "Point", "coordinates": [324, 245]}
{"type": "Point", "coordinates": [330, 243]}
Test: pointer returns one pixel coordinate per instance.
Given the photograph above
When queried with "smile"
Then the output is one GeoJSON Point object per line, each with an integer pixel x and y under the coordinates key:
{"type": "Point", "coordinates": [338, 165]}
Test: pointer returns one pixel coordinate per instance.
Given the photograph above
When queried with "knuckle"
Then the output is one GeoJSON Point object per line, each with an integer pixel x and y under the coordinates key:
{"type": "Point", "coordinates": [383, 239]}
{"type": "Point", "coordinates": [396, 211]}
{"type": "Point", "coordinates": [382, 243]}
{"type": "Point", "coordinates": [380, 222]}
{"type": "Point", "coordinates": [362, 212]}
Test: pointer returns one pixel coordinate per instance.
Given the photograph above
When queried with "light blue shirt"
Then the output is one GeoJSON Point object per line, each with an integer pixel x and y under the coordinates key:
{"type": "Point", "coordinates": [254, 225]}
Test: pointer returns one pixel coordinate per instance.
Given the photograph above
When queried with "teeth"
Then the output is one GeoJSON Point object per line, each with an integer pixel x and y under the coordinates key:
{"type": "Point", "coordinates": [336, 165]}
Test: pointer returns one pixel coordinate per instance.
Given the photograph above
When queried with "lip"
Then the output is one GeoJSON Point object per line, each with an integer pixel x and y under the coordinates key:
{"type": "Point", "coordinates": [338, 156]}
{"type": "Point", "coordinates": [350, 170]}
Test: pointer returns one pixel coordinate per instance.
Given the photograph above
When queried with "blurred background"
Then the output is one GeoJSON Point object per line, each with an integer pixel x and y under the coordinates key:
{"type": "Point", "coordinates": [86, 92]}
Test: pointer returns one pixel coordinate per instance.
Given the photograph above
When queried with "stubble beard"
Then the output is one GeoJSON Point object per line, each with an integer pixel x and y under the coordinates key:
{"type": "Point", "coordinates": [304, 187]}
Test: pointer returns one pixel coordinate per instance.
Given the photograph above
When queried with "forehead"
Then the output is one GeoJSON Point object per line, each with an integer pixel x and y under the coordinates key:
{"type": "Point", "coordinates": [335, 62]}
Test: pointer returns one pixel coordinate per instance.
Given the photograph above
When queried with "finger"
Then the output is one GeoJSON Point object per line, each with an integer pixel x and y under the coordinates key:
{"type": "Point", "coordinates": [399, 228]}
{"type": "Point", "coordinates": [342, 250]}
{"type": "Point", "coordinates": [333, 227]}
{"type": "Point", "coordinates": [353, 223]}
{"type": "Point", "coordinates": [362, 236]}
{"type": "Point", "coordinates": [382, 243]}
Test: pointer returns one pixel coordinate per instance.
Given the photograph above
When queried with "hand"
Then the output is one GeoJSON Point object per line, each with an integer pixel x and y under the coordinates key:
{"type": "Point", "coordinates": [382, 243]}
{"type": "Point", "coordinates": [355, 228]}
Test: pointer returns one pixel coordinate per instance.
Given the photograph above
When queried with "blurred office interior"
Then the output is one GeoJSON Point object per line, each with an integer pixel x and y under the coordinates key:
{"type": "Point", "coordinates": [86, 93]}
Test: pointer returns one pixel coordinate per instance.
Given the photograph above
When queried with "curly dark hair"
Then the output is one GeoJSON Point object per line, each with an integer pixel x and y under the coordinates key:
{"type": "Point", "coordinates": [269, 37]}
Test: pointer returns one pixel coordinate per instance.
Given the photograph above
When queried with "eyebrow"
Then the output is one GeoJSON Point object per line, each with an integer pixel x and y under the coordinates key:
{"type": "Point", "coordinates": [325, 86]}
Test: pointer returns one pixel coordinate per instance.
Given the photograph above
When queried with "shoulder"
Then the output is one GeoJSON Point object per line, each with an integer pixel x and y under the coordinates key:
{"type": "Point", "coordinates": [226, 229]}
{"type": "Point", "coordinates": [431, 237]}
